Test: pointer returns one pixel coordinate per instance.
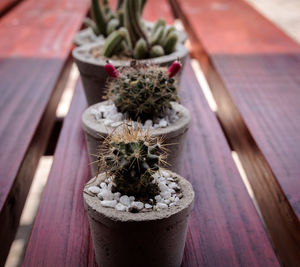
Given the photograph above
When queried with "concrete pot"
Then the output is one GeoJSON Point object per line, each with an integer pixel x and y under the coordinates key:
{"type": "Point", "coordinates": [87, 36]}
{"type": "Point", "coordinates": [148, 238]}
{"type": "Point", "coordinates": [174, 134]}
{"type": "Point", "coordinates": [93, 74]}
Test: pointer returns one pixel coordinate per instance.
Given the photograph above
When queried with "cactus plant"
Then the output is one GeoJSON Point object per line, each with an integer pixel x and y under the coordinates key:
{"type": "Point", "coordinates": [131, 156]}
{"type": "Point", "coordinates": [143, 91]}
{"type": "Point", "coordinates": [105, 21]}
{"type": "Point", "coordinates": [161, 41]}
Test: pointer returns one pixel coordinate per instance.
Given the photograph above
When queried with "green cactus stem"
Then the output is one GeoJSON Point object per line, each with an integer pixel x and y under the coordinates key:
{"type": "Point", "coordinates": [112, 25]}
{"type": "Point", "coordinates": [131, 156]}
{"type": "Point", "coordinates": [157, 51]}
{"type": "Point", "coordinates": [90, 23]}
{"type": "Point", "coordinates": [113, 43]}
{"type": "Point", "coordinates": [158, 23]}
{"type": "Point", "coordinates": [170, 42]}
{"type": "Point", "coordinates": [140, 50]}
{"type": "Point", "coordinates": [98, 17]}
{"type": "Point", "coordinates": [132, 21]}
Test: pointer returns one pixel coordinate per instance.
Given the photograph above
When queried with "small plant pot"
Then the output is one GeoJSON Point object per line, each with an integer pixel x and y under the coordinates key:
{"type": "Point", "coordinates": [175, 135]}
{"type": "Point", "coordinates": [94, 76]}
{"type": "Point", "coordinates": [148, 238]}
{"type": "Point", "coordinates": [87, 36]}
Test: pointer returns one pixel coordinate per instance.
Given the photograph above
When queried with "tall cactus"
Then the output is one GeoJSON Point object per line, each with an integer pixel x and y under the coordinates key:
{"type": "Point", "coordinates": [98, 17]}
{"type": "Point", "coordinates": [160, 41]}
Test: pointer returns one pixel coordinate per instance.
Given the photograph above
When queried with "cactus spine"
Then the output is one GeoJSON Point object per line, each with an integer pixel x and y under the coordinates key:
{"type": "Point", "coordinates": [131, 156]}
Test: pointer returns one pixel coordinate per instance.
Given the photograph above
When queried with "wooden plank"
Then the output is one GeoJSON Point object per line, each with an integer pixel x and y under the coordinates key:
{"type": "Point", "coordinates": [6, 5]}
{"type": "Point", "coordinates": [61, 226]}
{"type": "Point", "coordinates": [34, 65]}
{"type": "Point", "coordinates": [224, 228]}
{"type": "Point", "coordinates": [252, 69]}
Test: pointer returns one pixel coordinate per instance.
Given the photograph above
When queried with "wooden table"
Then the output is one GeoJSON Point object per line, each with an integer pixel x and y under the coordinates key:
{"type": "Point", "coordinates": [225, 228]}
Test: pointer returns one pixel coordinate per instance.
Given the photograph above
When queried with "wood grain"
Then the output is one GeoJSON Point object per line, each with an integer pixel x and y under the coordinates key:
{"type": "Point", "coordinates": [225, 229]}
{"type": "Point", "coordinates": [34, 65]}
{"type": "Point", "coordinates": [61, 226]}
{"type": "Point", "coordinates": [231, 27]}
{"type": "Point", "coordinates": [6, 5]}
{"type": "Point", "coordinates": [252, 69]}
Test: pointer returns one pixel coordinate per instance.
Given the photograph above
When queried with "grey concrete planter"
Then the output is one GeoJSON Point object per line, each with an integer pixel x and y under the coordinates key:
{"type": "Point", "coordinates": [174, 134]}
{"type": "Point", "coordinates": [87, 36]}
{"type": "Point", "coordinates": [93, 74]}
{"type": "Point", "coordinates": [147, 238]}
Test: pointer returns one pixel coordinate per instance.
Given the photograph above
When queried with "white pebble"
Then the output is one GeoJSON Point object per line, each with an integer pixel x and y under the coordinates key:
{"type": "Point", "coordinates": [166, 201]}
{"type": "Point", "coordinates": [120, 207]}
{"type": "Point", "coordinates": [166, 194]}
{"type": "Point", "coordinates": [157, 198]}
{"type": "Point", "coordinates": [103, 185]}
{"type": "Point", "coordinates": [165, 173]}
{"type": "Point", "coordinates": [131, 198]}
{"type": "Point", "coordinates": [176, 199]}
{"type": "Point", "coordinates": [148, 124]}
{"type": "Point", "coordinates": [125, 200]}
{"type": "Point", "coordinates": [148, 206]}
{"type": "Point", "coordinates": [109, 203]}
{"type": "Point", "coordinates": [137, 204]}
{"type": "Point", "coordinates": [162, 205]}
{"type": "Point", "coordinates": [106, 194]}
{"type": "Point", "coordinates": [117, 196]}
{"type": "Point", "coordinates": [173, 186]}
{"type": "Point", "coordinates": [163, 123]}
{"type": "Point", "coordinates": [94, 189]}
{"type": "Point", "coordinates": [163, 187]}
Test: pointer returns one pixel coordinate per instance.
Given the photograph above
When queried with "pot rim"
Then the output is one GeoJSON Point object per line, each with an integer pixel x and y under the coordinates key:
{"type": "Point", "coordinates": [109, 215]}
{"type": "Point", "coordinates": [98, 129]}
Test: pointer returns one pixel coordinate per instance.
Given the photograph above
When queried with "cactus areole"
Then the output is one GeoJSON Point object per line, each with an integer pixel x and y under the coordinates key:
{"type": "Point", "coordinates": [143, 92]}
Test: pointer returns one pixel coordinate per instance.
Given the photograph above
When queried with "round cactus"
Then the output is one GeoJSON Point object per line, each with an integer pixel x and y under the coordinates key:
{"type": "Point", "coordinates": [142, 92]}
{"type": "Point", "coordinates": [131, 156]}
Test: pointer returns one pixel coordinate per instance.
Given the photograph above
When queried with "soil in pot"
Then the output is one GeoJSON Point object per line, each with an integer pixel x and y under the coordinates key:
{"type": "Point", "coordinates": [151, 237]}
{"type": "Point", "coordinates": [173, 130]}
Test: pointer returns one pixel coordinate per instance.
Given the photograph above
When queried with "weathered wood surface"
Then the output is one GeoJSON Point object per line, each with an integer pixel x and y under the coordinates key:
{"type": "Point", "coordinates": [253, 69]}
{"type": "Point", "coordinates": [37, 37]}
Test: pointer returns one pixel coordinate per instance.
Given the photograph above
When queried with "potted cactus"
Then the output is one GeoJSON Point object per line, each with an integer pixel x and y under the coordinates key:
{"type": "Point", "coordinates": [140, 93]}
{"type": "Point", "coordinates": [138, 213]}
{"type": "Point", "coordinates": [160, 46]}
{"type": "Point", "coordinates": [104, 21]}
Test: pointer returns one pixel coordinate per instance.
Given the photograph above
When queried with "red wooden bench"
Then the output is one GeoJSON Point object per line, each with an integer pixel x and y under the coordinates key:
{"type": "Point", "coordinates": [224, 230]}
{"type": "Point", "coordinates": [253, 70]}
{"type": "Point", "coordinates": [36, 40]}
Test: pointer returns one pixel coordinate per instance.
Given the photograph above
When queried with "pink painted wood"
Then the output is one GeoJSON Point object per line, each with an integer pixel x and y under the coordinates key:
{"type": "Point", "coordinates": [37, 38]}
